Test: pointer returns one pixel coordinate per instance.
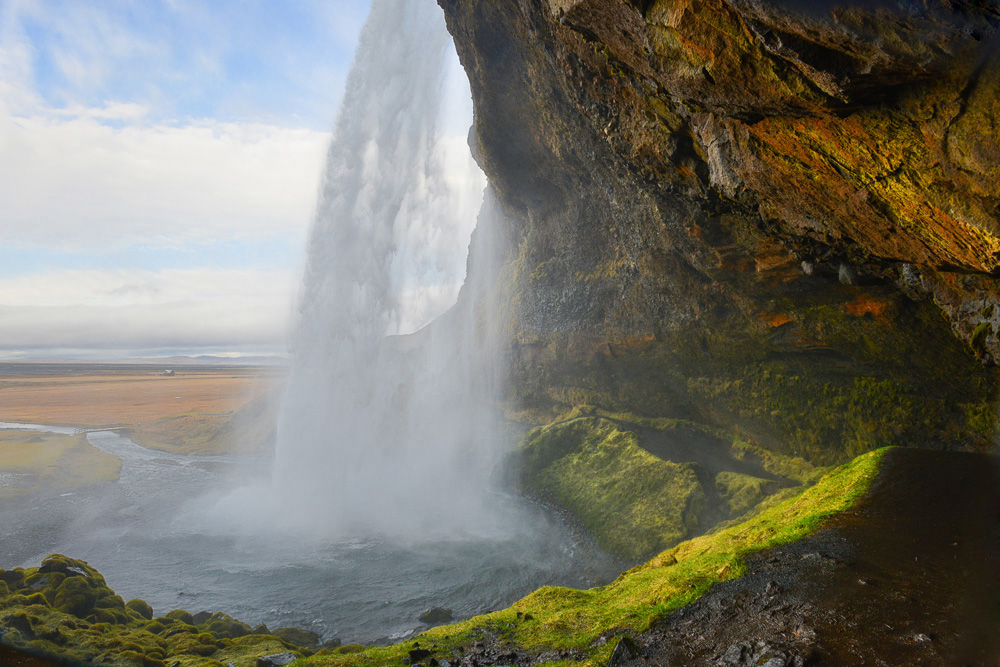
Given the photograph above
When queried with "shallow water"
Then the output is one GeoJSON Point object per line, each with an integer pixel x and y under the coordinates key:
{"type": "Point", "coordinates": [146, 536]}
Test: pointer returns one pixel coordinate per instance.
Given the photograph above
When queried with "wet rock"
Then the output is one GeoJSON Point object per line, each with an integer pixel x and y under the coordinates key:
{"type": "Point", "coordinates": [625, 651]}
{"type": "Point", "coordinates": [416, 655]}
{"type": "Point", "coordinates": [436, 616]}
{"type": "Point", "coordinates": [276, 660]}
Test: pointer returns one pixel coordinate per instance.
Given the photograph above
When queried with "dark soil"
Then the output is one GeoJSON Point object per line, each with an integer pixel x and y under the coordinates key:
{"type": "Point", "coordinates": [911, 576]}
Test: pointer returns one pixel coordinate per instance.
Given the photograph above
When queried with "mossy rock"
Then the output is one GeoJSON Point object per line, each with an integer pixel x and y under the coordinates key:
{"type": "Point", "coordinates": [155, 627]}
{"type": "Point", "coordinates": [39, 599]}
{"type": "Point", "coordinates": [181, 615]}
{"type": "Point", "coordinates": [223, 625]}
{"type": "Point", "coordinates": [140, 607]}
{"type": "Point", "coordinates": [741, 493]}
{"type": "Point", "coordinates": [76, 596]}
{"type": "Point", "coordinates": [634, 503]}
{"type": "Point", "coordinates": [13, 578]}
{"type": "Point", "coordinates": [298, 636]}
{"type": "Point", "coordinates": [21, 622]}
{"type": "Point", "coordinates": [201, 617]}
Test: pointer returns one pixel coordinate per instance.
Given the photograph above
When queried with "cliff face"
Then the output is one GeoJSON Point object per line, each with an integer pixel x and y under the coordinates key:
{"type": "Point", "coordinates": [776, 220]}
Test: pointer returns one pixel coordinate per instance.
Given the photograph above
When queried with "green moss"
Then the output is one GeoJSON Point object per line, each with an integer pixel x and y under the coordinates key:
{"type": "Point", "coordinates": [181, 615]}
{"type": "Point", "coordinates": [741, 492]}
{"type": "Point", "coordinates": [75, 596]}
{"type": "Point", "coordinates": [87, 623]}
{"type": "Point", "coordinates": [140, 607]}
{"type": "Point", "coordinates": [634, 503]}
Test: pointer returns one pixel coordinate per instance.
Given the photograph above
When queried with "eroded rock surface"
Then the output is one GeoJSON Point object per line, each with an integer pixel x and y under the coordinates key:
{"type": "Point", "coordinates": [778, 219]}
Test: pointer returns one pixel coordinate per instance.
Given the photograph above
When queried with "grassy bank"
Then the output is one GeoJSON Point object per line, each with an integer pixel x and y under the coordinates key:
{"type": "Point", "coordinates": [32, 461]}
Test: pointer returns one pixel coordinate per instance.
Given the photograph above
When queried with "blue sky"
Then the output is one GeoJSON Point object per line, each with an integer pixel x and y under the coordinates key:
{"type": "Point", "coordinates": [159, 163]}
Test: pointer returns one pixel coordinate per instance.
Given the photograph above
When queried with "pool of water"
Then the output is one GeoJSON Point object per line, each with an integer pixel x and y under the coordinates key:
{"type": "Point", "coordinates": [150, 537]}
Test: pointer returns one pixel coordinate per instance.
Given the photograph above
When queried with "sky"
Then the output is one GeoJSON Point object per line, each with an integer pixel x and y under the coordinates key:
{"type": "Point", "coordinates": [159, 167]}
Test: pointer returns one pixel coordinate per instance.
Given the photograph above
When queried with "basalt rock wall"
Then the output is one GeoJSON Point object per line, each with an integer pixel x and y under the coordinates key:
{"type": "Point", "coordinates": [776, 220]}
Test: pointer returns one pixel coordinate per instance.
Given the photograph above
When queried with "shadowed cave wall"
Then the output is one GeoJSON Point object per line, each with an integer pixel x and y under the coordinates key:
{"type": "Point", "coordinates": [774, 220]}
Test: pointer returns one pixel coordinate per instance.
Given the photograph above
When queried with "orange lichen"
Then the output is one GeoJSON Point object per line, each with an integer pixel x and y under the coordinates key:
{"type": "Point", "coordinates": [867, 305]}
{"type": "Point", "coordinates": [776, 320]}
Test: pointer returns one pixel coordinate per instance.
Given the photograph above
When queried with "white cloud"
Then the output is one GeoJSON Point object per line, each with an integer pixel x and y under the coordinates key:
{"type": "Point", "coordinates": [75, 182]}
{"type": "Point", "coordinates": [119, 309]}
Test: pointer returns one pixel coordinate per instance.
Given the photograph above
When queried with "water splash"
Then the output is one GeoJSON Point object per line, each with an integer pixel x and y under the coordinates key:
{"type": "Point", "coordinates": [384, 430]}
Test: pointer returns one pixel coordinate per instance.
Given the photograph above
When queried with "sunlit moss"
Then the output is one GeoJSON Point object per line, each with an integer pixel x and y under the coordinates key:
{"type": "Point", "coordinates": [634, 503]}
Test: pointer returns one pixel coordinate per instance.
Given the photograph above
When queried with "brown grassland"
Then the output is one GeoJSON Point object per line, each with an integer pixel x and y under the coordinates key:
{"type": "Point", "coordinates": [216, 410]}
{"type": "Point", "coordinates": [131, 395]}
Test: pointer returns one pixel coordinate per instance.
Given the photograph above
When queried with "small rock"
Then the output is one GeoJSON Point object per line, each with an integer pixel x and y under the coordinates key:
{"type": "Point", "coordinates": [625, 651]}
{"type": "Point", "coordinates": [775, 661]}
{"type": "Point", "coordinates": [734, 655]}
{"type": "Point", "coordinates": [910, 275]}
{"type": "Point", "coordinates": [417, 654]}
{"type": "Point", "coordinates": [436, 616]}
{"type": "Point", "coordinates": [276, 660]}
{"type": "Point", "coordinates": [847, 275]}
{"type": "Point", "coordinates": [808, 268]}
{"type": "Point", "coordinates": [772, 588]}
{"type": "Point", "coordinates": [921, 638]}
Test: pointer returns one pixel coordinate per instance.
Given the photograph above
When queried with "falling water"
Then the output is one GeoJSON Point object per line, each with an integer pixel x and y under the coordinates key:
{"type": "Point", "coordinates": [382, 432]}
{"type": "Point", "coordinates": [378, 505]}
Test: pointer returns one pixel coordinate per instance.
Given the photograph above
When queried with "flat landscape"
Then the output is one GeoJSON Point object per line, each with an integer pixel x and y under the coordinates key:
{"type": "Point", "coordinates": [139, 395]}
{"type": "Point", "coordinates": [187, 410]}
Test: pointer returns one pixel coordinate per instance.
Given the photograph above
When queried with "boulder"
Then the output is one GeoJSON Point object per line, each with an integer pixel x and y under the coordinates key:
{"type": "Point", "coordinates": [436, 616]}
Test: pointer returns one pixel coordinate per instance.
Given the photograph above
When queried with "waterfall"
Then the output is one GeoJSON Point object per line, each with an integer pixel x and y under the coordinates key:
{"type": "Point", "coordinates": [384, 429]}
